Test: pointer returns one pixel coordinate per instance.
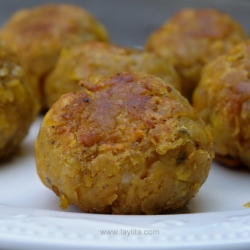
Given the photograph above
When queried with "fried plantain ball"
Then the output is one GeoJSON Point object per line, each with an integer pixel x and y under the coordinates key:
{"type": "Point", "coordinates": [192, 38]}
{"type": "Point", "coordinates": [128, 144]}
{"type": "Point", "coordinates": [223, 99]}
{"type": "Point", "coordinates": [18, 107]}
{"type": "Point", "coordinates": [81, 61]}
{"type": "Point", "coordinates": [38, 34]}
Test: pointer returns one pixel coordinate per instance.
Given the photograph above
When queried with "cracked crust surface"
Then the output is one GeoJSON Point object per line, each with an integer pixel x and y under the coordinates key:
{"type": "Point", "coordinates": [126, 144]}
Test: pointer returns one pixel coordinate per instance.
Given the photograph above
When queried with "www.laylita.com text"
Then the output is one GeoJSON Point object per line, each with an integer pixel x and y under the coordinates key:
{"type": "Point", "coordinates": [129, 232]}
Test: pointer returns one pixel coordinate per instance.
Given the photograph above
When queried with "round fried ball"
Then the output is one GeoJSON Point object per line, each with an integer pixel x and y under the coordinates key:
{"type": "Point", "coordinates": [18, 107]}
{"type": "Point", "coordinates": [38, 34]}
{"type": "Point", "coordinates": [128, 144]}
{"type": "Point", "coordinates": [193, 37]}
{"type": "Point", "coordinates": [81, 61]}
{"type": "Point", "coordinates": [223, 99]}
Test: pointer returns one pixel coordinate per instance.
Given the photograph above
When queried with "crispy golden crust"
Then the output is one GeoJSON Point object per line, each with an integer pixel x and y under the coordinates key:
{"type": "Point", "coordinates": [127, 144]}
{"type": "Point", "coordinates": [38, 34]}
{"type": "Point", "coordinates": [191, 38]}
{"type": "Point", "coordinates": [223, 99]}
{"type": "Point", "coordinates": [17, 104]}
{"type": "Point", "coordinates": [81, 61]}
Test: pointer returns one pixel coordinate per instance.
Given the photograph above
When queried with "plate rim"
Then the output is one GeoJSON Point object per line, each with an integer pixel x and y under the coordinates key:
{"type": "Point", "coordinates": [21, 226]}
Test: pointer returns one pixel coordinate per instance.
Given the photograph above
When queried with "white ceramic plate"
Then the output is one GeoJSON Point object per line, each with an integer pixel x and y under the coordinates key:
{"type": "Point", "coordinates": [30, 217]}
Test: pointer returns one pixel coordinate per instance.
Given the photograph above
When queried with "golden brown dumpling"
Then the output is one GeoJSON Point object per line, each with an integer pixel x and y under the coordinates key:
{"type": "Point", "coordinates": [38, 34]}
{"type": "Point", "coordinates": [18, 107]}
{"type": "Point", "coordinates": [81, 61]}
{"type": "Point", "coordinates": [223, 99]}
{"type": "Point", "coordinates": [127, 144]}
{"type": "Point", "coordinates": [193, 37]}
